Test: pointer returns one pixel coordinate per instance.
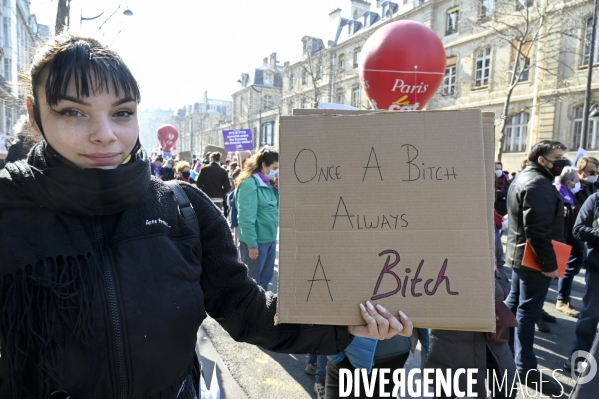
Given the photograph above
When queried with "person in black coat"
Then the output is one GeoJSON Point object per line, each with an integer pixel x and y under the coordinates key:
{"type": "Point", "coordinates": [168, 170]}
{"type": "Point", "coordinates": [536, 216]}
{"type": "Point", "coordinates": [214, 180]}
{"type": "Point", "coordinates": [586, 229]}
{"type": "Point", "coordinates": [103, 282]}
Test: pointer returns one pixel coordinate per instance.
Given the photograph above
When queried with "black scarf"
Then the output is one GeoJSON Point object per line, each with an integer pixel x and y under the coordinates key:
{"type": "Point", "coordinates": [48, 269]}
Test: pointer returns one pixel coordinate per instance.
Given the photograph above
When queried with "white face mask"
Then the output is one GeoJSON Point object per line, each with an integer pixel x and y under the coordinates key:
{"type": "Point", "coordinates": [576, 188]}
{"type": "Point", "coordinates": [498, 173]}
{"type": "Point", "coordinates": [591, 179]}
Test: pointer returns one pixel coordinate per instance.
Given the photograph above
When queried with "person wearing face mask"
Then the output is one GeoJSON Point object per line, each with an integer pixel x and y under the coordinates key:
{"type": "Point", "coordinates": [257, 202]}
{"type": "Point", "coordinates": [536, 215]}
{"type": "Point", "coordinates": [183, 172]}
{"type": "Point", "coordinates": [500, 205]}
{"type": "Point", "coordinates": [587, 172]}
{"type": "Point", "coordinates": [568, 185]}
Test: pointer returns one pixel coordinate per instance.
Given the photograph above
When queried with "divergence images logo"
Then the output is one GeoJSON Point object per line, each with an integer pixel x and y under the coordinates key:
{"type": "Point", "coordinates": [589, 363]}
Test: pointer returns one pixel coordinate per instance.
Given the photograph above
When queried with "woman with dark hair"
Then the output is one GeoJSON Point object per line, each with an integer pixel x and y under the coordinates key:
{"type": "Point", "coordinates": [257, 202]}
{"type": "Point", "coordinates": [107, 272]}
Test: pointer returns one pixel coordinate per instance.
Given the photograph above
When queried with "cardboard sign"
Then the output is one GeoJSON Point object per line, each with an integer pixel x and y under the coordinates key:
{"type": "Point", "coordinates": [185, 156]}
{"type": "Point", "coordinates": [394, 208]}
{"type": "Point", "coordinates": [214, 148]}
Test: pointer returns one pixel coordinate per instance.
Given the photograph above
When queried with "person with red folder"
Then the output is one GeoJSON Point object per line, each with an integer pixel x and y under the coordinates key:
{"type": "Point", "coordinates": [536, 216]}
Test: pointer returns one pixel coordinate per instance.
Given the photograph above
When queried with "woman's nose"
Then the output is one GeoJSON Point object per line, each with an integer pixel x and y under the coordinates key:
{"type": "Point", "coordinates": [103, 130]}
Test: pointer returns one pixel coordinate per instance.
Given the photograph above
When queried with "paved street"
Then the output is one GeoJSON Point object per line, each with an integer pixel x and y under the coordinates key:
{"type": "Point", "coordinates": [246, 371]}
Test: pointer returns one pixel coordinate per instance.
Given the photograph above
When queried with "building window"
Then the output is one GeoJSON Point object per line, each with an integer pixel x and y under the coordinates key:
{"type": "Point", "coordinates": [6, 3]}
{"type": "Point", "coordinates": [7, 69]}
{"type": "Point", "coordinates": [515, 133]}
{"type": "Point", "coordinates": [449, 82]}
{"type": "Point", "coordinates": [355, 16]}
{"type": "Point", "coordinates": [592, 141]}
{"type": "Point", "coordinates": [355, 97]}
{"type": "Point", "coordinates": [487, 9]}
{"type": "Point", "coordinates": [319, 71]}
{"type": "Point", "coordinates": [292, 81]}
{"type": "Point", "coordinates": [268, 79]}
{"type": "Point", "coordinates": [356, 57]}
{"type": "Point", "coordinates": [453, 15]}
{"type": "Point", "coordinates": [521, 59]}
{"type": "Point", "coordinates": [6, 32]}
{"type": "Point", "coordinates": [340, 97]}
{"type": "Point", "coordinates": [342, 62]}
{"type": "Point", "coordinates": [522, 4]}
{"type": "Point", "coordinates": [483, 66]}
{"type": "Point", "coordinates": [304, 103]}
{"type": "Point", "coordinates": [587, 43]}
{"type": "Point", "coordinates": [523, 68]}
{"type": "Point", "coordinates": [267, 100]}
{"type": "Point", "coordinates": [267, 136]}
{"type": "Point", "coordinates": [304, 77]}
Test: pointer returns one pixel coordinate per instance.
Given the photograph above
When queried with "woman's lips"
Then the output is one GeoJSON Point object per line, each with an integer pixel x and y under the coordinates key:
{"type": "Point", "coordinates": [102, 158]}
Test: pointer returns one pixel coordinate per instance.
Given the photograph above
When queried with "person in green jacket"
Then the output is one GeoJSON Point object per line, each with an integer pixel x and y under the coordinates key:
{"type": "Point", "coordinates": [257, 201]}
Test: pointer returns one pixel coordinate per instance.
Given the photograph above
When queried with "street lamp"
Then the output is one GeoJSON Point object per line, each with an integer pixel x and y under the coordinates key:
{"type": "Point", "coordinates": [127, 13]}
{"type": "Point", "coordinates": [259, 114]}
{"type": "Point", "coordinates": [587, 99]}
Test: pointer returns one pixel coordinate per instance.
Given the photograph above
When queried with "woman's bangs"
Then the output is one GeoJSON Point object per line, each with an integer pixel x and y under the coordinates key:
{"type": "Point", "coordinates": [91, 73]}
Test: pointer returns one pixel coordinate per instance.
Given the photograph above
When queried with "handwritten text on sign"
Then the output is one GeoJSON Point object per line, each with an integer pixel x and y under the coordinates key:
{"type": "Point", "coordinates": [343, 218]}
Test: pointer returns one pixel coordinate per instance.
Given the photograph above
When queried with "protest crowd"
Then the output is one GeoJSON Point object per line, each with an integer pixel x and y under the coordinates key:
{"type": "Point", "coordinates": [235, 203]}
{"type": "Point", "coordinates": [547, 199]}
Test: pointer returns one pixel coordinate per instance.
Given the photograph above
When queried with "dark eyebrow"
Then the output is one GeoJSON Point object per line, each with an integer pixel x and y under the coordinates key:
{"type": "Point", "coordinates": [75, 100]}
{"type": "Point", "coordinates": [122, 101]}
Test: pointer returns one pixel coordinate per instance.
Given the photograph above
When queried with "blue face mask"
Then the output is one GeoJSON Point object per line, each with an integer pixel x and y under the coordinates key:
{"type": "Point", "coordinates": [169, 166]}
{"type": "Point", "coordinates": [272, 174]}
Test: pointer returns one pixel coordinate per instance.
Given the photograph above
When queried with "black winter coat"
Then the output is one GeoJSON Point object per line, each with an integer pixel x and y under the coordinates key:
{"type": "Point", "coordinates": [167, 174]}
{"type": "Point", "coordinates": [585, 229]}
{"type": "Point", "coordinates": [536, 213]}
{"type": "Point", "coordinates": [579, 199]}
{"type": "Point", "coordinates": [214, 181]}
{"type": "Point", "coordinates": [160, 281]}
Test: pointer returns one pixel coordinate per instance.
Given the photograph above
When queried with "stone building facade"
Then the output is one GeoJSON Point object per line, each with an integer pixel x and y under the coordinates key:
{"type": "Point", "coordinates": [20, 34]}
{"type": "Point", "coordinates": [480, 38]}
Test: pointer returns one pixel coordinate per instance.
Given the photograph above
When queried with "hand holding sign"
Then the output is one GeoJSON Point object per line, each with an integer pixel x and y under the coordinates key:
{"type": "Point", "coordinates": [404, 64]}
{"type": "Point", "coordinates": [381, 324]}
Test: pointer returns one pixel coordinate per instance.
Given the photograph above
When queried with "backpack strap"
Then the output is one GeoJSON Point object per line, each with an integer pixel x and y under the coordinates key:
{"type": "Point", "coordinates": [185, 207]}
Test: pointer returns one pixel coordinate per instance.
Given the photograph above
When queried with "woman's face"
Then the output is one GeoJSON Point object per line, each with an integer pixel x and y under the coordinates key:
{"type": "Point", "coordinates": [99, 131]}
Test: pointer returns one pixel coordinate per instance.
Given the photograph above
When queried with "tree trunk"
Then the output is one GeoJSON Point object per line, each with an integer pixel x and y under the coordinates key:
{"type": "Point", "coordinates": [62, 15]}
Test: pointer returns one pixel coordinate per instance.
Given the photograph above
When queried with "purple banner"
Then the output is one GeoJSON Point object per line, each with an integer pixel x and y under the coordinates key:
{"type": "Point", "coordinates": [238, 140]}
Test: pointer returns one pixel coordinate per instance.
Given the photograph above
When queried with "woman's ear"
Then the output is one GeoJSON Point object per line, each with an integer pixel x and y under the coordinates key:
{"type": "Point", "coordinates": [31, 113]}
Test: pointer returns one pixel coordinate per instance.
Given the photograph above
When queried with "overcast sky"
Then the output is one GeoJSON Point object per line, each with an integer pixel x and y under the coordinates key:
{"type": "Point", "coordinates": [176, 49]}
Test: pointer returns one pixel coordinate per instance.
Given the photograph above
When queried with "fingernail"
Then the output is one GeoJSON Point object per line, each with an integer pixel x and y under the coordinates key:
{"type": "Point", "coordinates": [362, 308]}
{"type": "Point", "coordinates": [369, 305]}
{"type": "Point", "coordinates": [381, 308]}
{"type": "Point", "coordinates": [403, 315]}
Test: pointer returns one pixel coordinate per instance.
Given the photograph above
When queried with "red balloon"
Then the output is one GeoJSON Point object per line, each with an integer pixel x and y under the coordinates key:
{"type": "Point", "coordinates": [403, 65]}
{"type": "Point", "coordinates": [167, 135]}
